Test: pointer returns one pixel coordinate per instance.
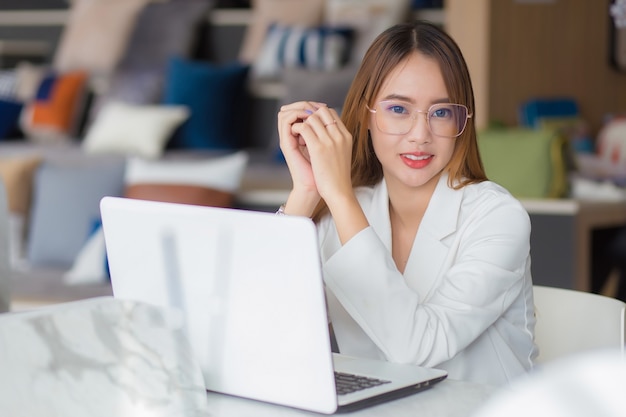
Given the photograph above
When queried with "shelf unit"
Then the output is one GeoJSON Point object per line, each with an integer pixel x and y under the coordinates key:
{"type": "Point", "coordinates": [217, 17]}
{"type": "Point", "coordinates": [225, 17]}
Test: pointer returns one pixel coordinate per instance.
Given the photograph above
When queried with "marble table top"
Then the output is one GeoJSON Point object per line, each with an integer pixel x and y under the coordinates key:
{"type": "Point", "coordinates": [98, 357]}
{"type": "Point", "coordinates": [108, 357]}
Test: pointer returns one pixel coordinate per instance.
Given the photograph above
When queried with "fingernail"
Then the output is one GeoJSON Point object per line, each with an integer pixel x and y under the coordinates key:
{"type": "Point", "coordinates": [307, 111]}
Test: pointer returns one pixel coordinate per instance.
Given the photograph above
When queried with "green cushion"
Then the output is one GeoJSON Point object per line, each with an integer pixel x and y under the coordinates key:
{"type": "Point", "coordinates": [530, 163]}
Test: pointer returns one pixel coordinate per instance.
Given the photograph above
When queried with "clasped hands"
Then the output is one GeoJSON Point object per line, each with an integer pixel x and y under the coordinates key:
{"type": "Point", "coordinates": [317, 148]}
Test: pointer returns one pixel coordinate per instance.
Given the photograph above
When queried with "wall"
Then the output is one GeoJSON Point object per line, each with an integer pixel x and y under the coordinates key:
{"type": "Point", "coordinates": [537, 49]}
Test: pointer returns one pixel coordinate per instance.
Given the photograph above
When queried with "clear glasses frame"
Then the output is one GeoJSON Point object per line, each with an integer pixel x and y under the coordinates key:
{"type": "Point", "coordinates": [392, 119]}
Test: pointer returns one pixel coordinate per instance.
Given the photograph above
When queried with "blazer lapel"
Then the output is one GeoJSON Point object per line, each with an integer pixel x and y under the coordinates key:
{"type": "Point", "coordinates": [429, 252]}
{"type": "Point", "coordinates": [379, 214]}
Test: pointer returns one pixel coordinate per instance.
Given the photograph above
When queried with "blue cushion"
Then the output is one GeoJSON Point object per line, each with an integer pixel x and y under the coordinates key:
{"type": "Point", "coordinates": [9, 116]}
{"type": "Point", "coordinates": [66, 201]}
{"type": "Point", "coordinates": [216, 96]}
{"type": "Point", "coordinates": [533, 110]}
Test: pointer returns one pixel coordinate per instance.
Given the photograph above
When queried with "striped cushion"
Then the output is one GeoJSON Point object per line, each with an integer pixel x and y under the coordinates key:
{"type": "Point", "coordinates": [8, 84]}
{"type": "Point", "coordinates": [320, 48]}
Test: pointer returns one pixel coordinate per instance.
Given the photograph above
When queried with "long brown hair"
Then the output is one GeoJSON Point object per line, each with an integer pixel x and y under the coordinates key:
{"type": "Point", "coordinates": [388, 50]}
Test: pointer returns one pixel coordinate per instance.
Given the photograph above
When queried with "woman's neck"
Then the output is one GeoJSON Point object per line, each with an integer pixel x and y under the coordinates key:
{"type": "Point", "coordinates": [406, 210]}
{"type": "Point", "coordinates": [409, 203]}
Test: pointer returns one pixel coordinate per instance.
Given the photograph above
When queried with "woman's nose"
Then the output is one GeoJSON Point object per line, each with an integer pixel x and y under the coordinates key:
{"type": "Point", "coordinates": [420, 131]}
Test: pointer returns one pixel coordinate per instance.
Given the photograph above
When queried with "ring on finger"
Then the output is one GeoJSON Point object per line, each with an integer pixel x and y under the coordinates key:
{"type": "Point", "coordinates": [331, 123]}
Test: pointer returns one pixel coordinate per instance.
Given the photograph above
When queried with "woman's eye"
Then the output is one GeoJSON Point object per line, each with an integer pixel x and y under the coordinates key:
{"type": "Point", "coordinates": [440, 113]}
{"type": "Point", "coordinates": [397, 109]}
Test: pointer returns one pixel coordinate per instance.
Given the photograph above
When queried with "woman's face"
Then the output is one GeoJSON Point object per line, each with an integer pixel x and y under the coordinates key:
{"type": "Point", "coordinates": [416, 158]}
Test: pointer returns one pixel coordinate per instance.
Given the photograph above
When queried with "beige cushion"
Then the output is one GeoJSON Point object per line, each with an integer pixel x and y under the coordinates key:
{"type": "Point", "coordinates": [17, 175]}
{"type": "Point", "coordinates": [28, 79]}
{"type": "Point", "coordinates": [307, 13]}
{"type": "Point", "coordinates": [130, 129]}
{"type": "Point", "coordinates": [96, 34]}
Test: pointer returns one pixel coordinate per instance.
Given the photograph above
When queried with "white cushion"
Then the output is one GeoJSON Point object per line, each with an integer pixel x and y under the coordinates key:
{"type": "Point", "coordinates": [141, 130]}
{"type": "Point", "coordinates": [90, 264]}
{"type": "Point", "coordinates": [612, 142]}
{"type": "Point", "coordinates": [222, 173]}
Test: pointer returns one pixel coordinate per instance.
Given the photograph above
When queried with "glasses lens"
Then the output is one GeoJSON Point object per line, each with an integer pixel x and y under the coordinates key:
{"type": "Point", "coordinates": [447, 120]}
{"type": "Point", "coordinates": [394, 117]}
{"type": "Point", "coordinates": [397, 118]}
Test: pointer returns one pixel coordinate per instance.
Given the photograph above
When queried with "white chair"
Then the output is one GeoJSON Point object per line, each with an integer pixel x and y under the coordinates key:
{"type": "Point", "coordinates": [571, 322]}
{"type": "Point", "coordinates": [5, 269]}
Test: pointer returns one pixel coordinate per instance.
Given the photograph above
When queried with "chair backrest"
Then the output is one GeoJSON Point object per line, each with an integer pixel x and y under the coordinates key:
{"type": "Point", "coordinates": [570, 322]}
{"type": "Point", "coordinates": [5, 268]}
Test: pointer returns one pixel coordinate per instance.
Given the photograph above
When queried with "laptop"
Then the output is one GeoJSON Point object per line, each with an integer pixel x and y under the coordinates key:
{"type": "Point", "coordinates": [250, 286]}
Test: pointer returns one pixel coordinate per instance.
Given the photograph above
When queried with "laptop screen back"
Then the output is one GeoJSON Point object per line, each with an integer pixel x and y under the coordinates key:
{"type": "Point", "coordinates": [250, 286]}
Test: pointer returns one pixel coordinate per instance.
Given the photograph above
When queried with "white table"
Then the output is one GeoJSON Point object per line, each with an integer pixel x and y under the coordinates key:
{"type": "Point", "coordinates": [449, 398]}
{"type": "Point", "coordinates": [561, 242]}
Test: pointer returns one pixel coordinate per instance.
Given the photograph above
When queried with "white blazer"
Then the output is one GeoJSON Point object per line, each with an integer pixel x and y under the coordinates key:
{"type": "Point", "coordinates": [464, 302]}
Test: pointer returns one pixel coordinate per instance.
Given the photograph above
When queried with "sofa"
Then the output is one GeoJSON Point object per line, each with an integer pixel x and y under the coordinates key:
{"type": "Point", "coordinates": [168, 91]}
{"type": "Point", "coordinates": [55, 192]}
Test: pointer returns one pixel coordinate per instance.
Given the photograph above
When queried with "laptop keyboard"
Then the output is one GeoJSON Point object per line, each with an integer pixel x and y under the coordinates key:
{"type": "Point", "coordinates": [348, 383]}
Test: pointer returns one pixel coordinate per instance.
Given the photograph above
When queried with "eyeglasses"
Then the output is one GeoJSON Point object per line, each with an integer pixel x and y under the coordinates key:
{"type": "Point", "coordinates": [397, 118]}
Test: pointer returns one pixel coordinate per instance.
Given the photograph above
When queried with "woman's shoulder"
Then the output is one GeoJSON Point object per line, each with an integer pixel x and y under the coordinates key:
{"type": "Point", "coordinates": [489, 193]}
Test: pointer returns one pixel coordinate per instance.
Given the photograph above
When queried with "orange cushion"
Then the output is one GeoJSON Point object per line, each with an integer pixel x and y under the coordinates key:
{"type": "Point", "coordinates": [59, 110]}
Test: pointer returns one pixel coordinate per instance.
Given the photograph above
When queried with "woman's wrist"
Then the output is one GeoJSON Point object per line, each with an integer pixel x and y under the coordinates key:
{"type": "Point", "coordinates": [300, 203]}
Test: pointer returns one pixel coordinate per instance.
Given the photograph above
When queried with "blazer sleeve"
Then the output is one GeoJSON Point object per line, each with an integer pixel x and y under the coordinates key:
{"type": "Point", "coordinates": [483, 271]}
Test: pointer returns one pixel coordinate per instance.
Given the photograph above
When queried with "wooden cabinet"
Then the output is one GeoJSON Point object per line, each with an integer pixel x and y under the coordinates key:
{"type": "Point", "coordinates": [519, 50]}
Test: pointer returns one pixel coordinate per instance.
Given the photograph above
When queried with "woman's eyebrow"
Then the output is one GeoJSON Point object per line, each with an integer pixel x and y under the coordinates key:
{"type": "Point", "coordinates": [407, 99]}
{"type": "Point", "coordinates": [398, 97]}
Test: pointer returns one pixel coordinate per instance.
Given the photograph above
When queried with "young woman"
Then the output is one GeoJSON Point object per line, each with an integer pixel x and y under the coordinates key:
{"type": "Point", "coordinates": [425, 260]}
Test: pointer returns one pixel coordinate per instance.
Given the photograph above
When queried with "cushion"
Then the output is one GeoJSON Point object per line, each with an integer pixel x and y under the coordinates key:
{"type": "Point", "coordinates": [133, 86]}
{"type": "Point", "coordinates": [65, 205]}
{"type": "Point", "coordinates": [368, 17]}
{"type": "Point", "coordinates": [217, 112]}
{"type": "Point", "coordinates": [162, 30]}
{"type": "Point", "coordinates": [28, 78]}
{"type": "Point", "coordinates": [207, 182]}
{"type": "Point", "coordinates": [16, 239]}
{"type": "Point", "coordinates": [8, 84]}
{"type": "Point", "coordinates": [96, 34]}
{"type": "Point", "coordinates": [53, 115]}
{"type": "Point", "coordinates": [180, 193]}
{"type": "Point", "coordinates": [532, 111]}
{"type": "Point", "coordinates": [529, 163]}
{"type": "Point", "coordinates": [612, 142]}
{"type": "Point", "coordinates": [10, 111]}
{"type": "Point", "coordinates": [129, 129]}
{"type": "Point", "coordinates": [90, 265]}
{"type": "Point", "coordinates": [17, 174]}
{"type": "Point", "coordinates": [319, 48]}
{"type": "Point", "coordinates": [287, 12]}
